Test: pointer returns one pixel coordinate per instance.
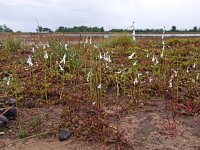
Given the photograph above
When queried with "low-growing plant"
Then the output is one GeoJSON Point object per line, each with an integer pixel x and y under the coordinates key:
{"type": "Point", "coordinates": [13, 44]}
{"type": "Point", "coordinates": [22, 133]}
{"type": "Point", "coordinates": [119, 41]}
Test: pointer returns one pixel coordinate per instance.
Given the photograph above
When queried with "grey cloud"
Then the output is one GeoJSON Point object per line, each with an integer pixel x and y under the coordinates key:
{"type": "Point", "coordinates": [21, 14]}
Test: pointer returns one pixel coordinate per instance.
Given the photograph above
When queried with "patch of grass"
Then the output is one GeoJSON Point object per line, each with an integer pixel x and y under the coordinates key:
{"type": "Point", "coordinates": [117, 42]}
{"type": "Point", "coordinates": [1, 45]}
{"type": "Point", "coordinates": [13, 44]}
{"type": "Point", "coordinates": [22, 133]}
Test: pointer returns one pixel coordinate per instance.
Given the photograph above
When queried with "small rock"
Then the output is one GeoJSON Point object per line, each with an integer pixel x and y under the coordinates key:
{"type": "Point", "coordinates": [30, 104]}
{"type": "Point", "coordinates": [3, 121]}
{"type": "Point", "coordinates": [11, 114]}
{"type": "Point", "coordinates": [64, 134]}
{"type": "Point", "coordinates": [2, 110]}
{"type": "Point", "coordinates": [1, 124]}
{"type": "Point", "coordinates": [141, 104]}
{"type": "Point", "coordinates": [11, 102]}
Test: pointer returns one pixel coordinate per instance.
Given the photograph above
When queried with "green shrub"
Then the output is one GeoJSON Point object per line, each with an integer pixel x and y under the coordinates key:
{"type": "Point", "coordinates": [13, 44]}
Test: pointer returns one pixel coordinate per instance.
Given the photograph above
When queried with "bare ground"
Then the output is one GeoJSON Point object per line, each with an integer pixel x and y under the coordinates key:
{"type": "Point", "coordinates": [143, 128]}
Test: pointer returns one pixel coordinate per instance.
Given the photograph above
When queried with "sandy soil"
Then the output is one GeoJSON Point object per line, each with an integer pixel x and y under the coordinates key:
{"type": "Point", "coordinates": [143, 128]}
{"type": "Point", "coordinates": [53, 144]}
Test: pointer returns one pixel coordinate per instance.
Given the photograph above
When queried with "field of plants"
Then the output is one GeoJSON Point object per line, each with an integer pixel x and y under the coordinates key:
{"type": "Point", "coordinates": [114, 93]}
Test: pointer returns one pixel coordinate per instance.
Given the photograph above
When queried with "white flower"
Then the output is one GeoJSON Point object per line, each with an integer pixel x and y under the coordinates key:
{"type": "Point", "coordinates": [133, 37]}
{"type": "Point", "coordinates": [135, 81]}
{"type": "Point", "coordinates": [118, 72]}
{"type": "Point", "coordinates": [156, 60]}
{"type": "Point", "coordinates": [150, 79]}
{"type": "Point", "coordinates": [187, 69]}
{"type": "Point", "coordinates": [89, 75]}
{"type": "Point", "coordinates": [194, 66]}
{"type": "Point", "coordinates": [197, 76]}
{"type": "Point", "coordinates": [44, 46]}
{"type": "Point", "coordinates": [163, 48]}
{"type": "Point", "coordinates": [147, 55]}
{"type": "Point", "coordinates": [135, 63]}
{"type": "Point", "coordinates": [107, 57]}
{"type": "Point", "coordinates": [131, 56]}
{"type": "Point", "coordinates": [48, 45]}
{"type": "Point", "coordinates": [153, 59]}
{"type": "Point", "coordinates": [95, 46]}
{"type": "Point", "coordinates": [29, 62]}
{"type": "Point", "coordinates": [8, 82]}
{"type": "Point", "coordinates": [175, 72]}
{"type": "Point", "coordinates": [86, 40]}
{"type": "Point", "coordinates": [139, 74]}
{"type": "Point", "coordinates": [63, 60]}
{"type": "Point", "coordinates": [36, 64]}
{"type": "Point", "coordinates": [45, 55]}
{"type": "Point", "coordinates": [109, 60]}
{"type": "Point", "coordinates": [107, 65]}
{"type": "Point", "coordinates": [66, 46]}
{"type": "Point", "coordinates": [163, 42]}
{"type": "Point", "coordinates": [133, 34]}
{"type": "Point", "coordinates": [33, 49]}
{"type": "Point", "coordinates": [90, 40]}
{"type": "Point", "coordinates": [61, 68]}
{"type": "Point", "coordinates": [170, 82]}
{"type": "Point", "coordinates": [99, 86]}
{"type": "Point", "coordinates": [162, 54]}
{"type": "Point", "coordinates": [100, 56]}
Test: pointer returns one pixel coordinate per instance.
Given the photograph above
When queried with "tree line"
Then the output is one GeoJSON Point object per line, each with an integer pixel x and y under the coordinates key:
{"type": "Point", "coordinates": [101, 29]}
{"type": "Point", "coordinates": [40, 29]}
{"type": "Point", "coordinates": [173, 29]}
{"type": "Point", "coordinates": [80, 29]}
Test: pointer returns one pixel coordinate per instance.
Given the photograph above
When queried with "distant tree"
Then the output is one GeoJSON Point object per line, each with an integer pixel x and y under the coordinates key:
{"type": "Point", "coordinates": [39, 29]}
{"type": "Point", "coordinates": [1, 29]}
{"type": "Point", "coordinates": [101, 29]}
{"type": "Point", "coordinates": [47, 30]}
{"type": "Point", "coordinates": [4, 28]}
{"type": "Point", "coordinates": [116, 30]}
{"type": "Point", "coordinates": [195, 29]}
{"type": "Point", "coordinates": [173, 29]}
{"type": "Point", "coordinates": [60, 29]}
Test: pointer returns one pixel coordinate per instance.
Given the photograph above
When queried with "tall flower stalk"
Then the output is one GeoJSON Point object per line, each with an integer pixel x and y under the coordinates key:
{"type": "Point", "coordinates": [63, 74]}
{"type": "Point", "coordinates": [90, 80]}
{"type": "Point", "coordinates": [30, 63]}
{"type": "Point", "coordinates": [163, 43]}
{"type": "Point", "coordinates": [45, 76]}
{"type": "Point", "coordinates": [133, 33]}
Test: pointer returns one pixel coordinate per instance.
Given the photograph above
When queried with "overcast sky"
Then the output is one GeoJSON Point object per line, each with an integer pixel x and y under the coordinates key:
{"type": "Point", "coordinates": [21, 14]}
